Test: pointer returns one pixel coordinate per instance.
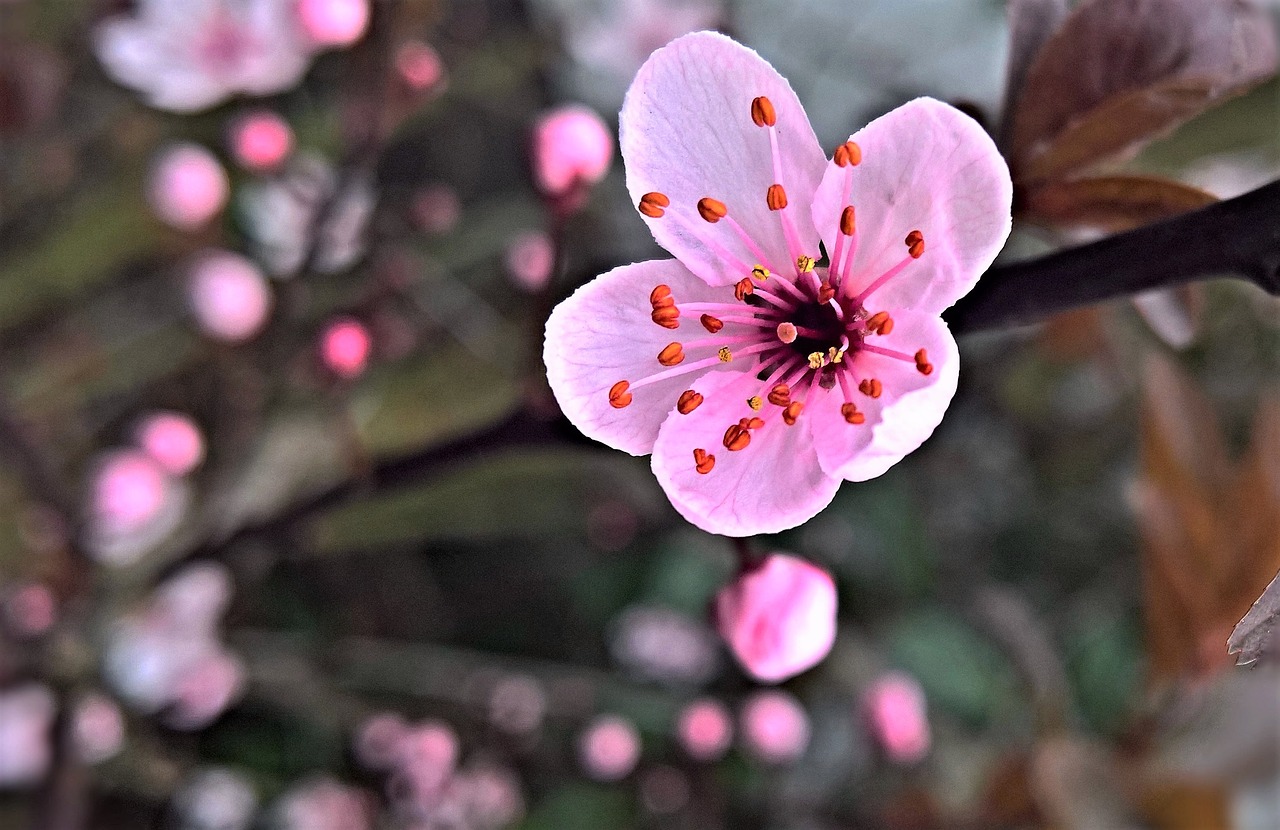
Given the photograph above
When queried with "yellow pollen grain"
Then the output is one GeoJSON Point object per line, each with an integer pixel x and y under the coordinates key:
{"type": "Point", "coordinates": [817, 360]}
{"type": "Point", "coordinates": [725, 354]}
{"type": "Point", "coordinates": [804, 263]}
{"type": "Point", "coordinates": [755, 402]}
{"type": "Point", "coordinates": [760, 272]}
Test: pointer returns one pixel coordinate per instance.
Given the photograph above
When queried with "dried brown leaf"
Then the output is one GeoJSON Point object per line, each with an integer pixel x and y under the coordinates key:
{"type": "Point", "coordinates": [1117, 75]}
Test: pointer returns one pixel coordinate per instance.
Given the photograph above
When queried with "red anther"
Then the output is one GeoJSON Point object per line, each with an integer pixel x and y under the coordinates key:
{"type": "Point", "coordinates": [652, 204]}
{"type": "Point", "coordinates": [776, 197]}
{"type": "Point", "coordinates": [915, 244]}
{"type": "Point", "coordinates": [886, 326]}
{"type": "Point", "coordinates": [689, 401]}
{"type": "Point", "coordinates": [736, 438]}
{"type": "Point", "coordinates": [711, 324]}
{"type": "Point", "coordinates": [672, 354]}
{"type": "Point", "coordinates": [792, 412]}
{"type": "Point", "coordinates": [751, 423]}
{"type": "Point", "coordinates": [923, 366]}
{"type": "Point", "coordinates": [922, 356]}
{"type": "Point", "coordinates": [703, 462]}
{"type": "Point", "coordinates": [762, 112]}
{"type": "Point", "coordinates": [618, 394]}
{"type": "Point", "coordinates": [871, 388]}
{"type": "Point", "coordinates": [743, 288]}
{"type": "Point", "coordinates": [826, 293]}
{"type": "Point", "coordinates": [661, 296]}
{"type": "Point", "coordinates": [668, 317]}
{"type": "Point", "coordinates": [851, 414]}
{"type": "Point", "coordinates": [848, 220]}
{"type": "Point", "coordinates": [847, 154]}
{"type": "Point", "coordinates": [712, 210]}
{"type": "Point", "coordinates": [780, 395]}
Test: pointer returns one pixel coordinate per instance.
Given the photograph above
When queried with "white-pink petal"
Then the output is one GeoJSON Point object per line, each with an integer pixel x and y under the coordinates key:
{"type": "Point", "coordinates": [925, 166]}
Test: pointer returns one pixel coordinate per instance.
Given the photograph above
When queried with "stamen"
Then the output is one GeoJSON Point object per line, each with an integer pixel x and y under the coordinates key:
{"type": "Point", "coordinates": [755, 402]}
{"type": "Point", "coordinates": [788, 230]}
{"type": "Point", "coordinates": [726, 354]}
{"type": "Point", "coordinates": [660, 296]}
{"type": "Point", "coordinates": [756, 250]}
{"type": "Point", "coordinates": [787, 332]}
{"type": "Point", "coordinates": [689, 401]}
{"type": "Point", "coordinates": [736, 438]}
{"type": "Point", "coordinates": [724, 310]}
{"type": "Point", "coordinates": [668, 317]}
{"type": "Point", "coordinates": [750, 423]}
{"type": "Point", "coordinates": [915, 248]}
{"type": "Point", "coordinates": [804, 264]}
{"type": "Point", "coordinates": [915, 244]}
{"type": "Point", "coordinates": [753, 337]}
{"type": "Point", "coordinates": [702, 462]}
{"type": "Point", "coordinates": [762, 112]}
{"type": "Point", "coordinates": [851, 414]}
{"type": "Point", "coordinates": [826, 293]}
{"type": "Point", "coordinates": [760, 272]}
{"type": "Point", "coordinates": [743, 288]}
{"type": "Point", "coordinates": [780, 395]}
{"type": "Point", "coordinates": [817, 360]}
{"type": "Point", "coordinates": [619, 397]}
{"type": "Point", "coordinates": [894, 353]}
{"type": "Point", "coordinates": [776, 198]}
{"type": "Point", "coordinates": [791, 413]}
{"type": "Point", "coordinates": [672, 354]}
{"type": "Point", "coordinates": [652, 204]}
{"type": "Point", "coordinates": [877, 320]}
{"type": "Point", "coordinates": [712, 210]}
{"type": "Point", "coordinates": [871, 387]}
{"type": "Point", "coordinates": [848, 154]}
{"type": "Point", "coordinates": [848, 221]}
{"type": "Point", "coordinates": [923, 366]}
{"type": "Point", "coordinates": [705, 363]}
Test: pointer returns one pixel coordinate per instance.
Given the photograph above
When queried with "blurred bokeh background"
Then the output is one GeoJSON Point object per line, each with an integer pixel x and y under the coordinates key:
{"type": "Point", "coordinates": [292, 535]}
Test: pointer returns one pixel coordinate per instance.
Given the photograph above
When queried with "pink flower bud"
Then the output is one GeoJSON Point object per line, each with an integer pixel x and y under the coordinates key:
{"type": "Point", "coordinates": [334, 22]}
{"type": "Point", "coordinates": [128, 491]}
{"type": "Point", "coordinates": [419, 66]}
{"type": "Point", "coordinates": [345, 346]}
{"type": "Point", "coordinates": [261, 141]}
{"type": "Point", "coordinates": [609, 748]}
{"type": "Point", "coordinates": [705, 729]}
{"type": "Point", "coordinates": [206, 690]}
{"type": "Point", "coordinates": [896, 714]}
{"type": "Point", "coordinates": [377, 741]}
{"type": "Point", "coordinates": [572, 148]}
{"type": "Point", "coordinates": [187, 186]}
{"type": "Point", "coordinates": [97, 728]}
{"type": "Point", "coordinates": [173, 440]}
{"type": "Point", "coordinates": [427, 755]}
{"type": "Point", "coordinates": [779, 619]}
{"type": "Point", "coordinates": [775, 727]}
{"type": "Point", "coordinates": [530, 259]}
{"type": "Point", "coordinates": [26, 744]}
{"type": "Point", "coordinates": [229, 296]}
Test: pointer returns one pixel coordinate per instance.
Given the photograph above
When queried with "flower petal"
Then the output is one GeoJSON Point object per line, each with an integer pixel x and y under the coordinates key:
{"type": "Point", "coordinates": [773, 484]}
{"type": "Point", "coordinates": [909, 409]}
{"type": "Point", "coordinates": [687, 132]}
{"type": "Point", "coordinates": [605, 333]}
{"type": "Point", "coordinates": [925, 166]}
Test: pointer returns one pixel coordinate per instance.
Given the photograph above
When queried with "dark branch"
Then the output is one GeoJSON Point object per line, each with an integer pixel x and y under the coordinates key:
{"type": "Point", "coordinates": [1239, 238]}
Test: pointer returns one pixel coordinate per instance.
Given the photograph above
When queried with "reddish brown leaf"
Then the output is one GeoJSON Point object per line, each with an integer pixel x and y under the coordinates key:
{"type": "Point", "coordinates": [1031, 24]}
{"type": "Point", "coordinates": [1117, 75]}
{"type": "Point", "coordinates": [1112, 203]}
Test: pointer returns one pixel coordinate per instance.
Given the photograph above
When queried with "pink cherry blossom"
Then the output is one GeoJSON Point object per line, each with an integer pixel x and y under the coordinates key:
{"type": "Point", "coordinates": [29, 610]}
{"type": "Point", "coordinates": [377, 740]}
{"type": "Point", "coordinates": [260, 140]}
{"type": "Point", "coordinates": [26, 741]}
{"type": "Point", "coordinates": [97, 728]}
{"type": "Point", "coordinates": [188, 56]}
{"type": "Point", "coordinates": [572, 148]}
{"type": "Point", "coordinates": [609, 748]}
{"type": "Point", "coordinates": [757, 371]}
{"type": "Point", "coordinates": [229, 296]}
{"type": "Point", "coordinates": [896, 714]}
{"type": "Point", "coordinates": [779, 618]}
{"type": "Point", "coordinates": [187, 186]}
{"type": "Point", "coordinates": [775, 728]}
{"type": "Point", "coordinates": [325, 804]}
{"type": "Point", "coordinates": [344, 347]}
{"type": "Point", "coordinates": [530, 259]}
{"type": "Point", "coordinates": [705, 729]}
{"type": "Point", "coordinates": [173, 440]}
{"type": "Point", "coordinates": [334, 22]}
{"type": "Point", "coordinates": [420, 67]}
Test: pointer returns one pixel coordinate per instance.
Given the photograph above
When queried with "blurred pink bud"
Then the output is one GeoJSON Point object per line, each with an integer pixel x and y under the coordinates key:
{"type": "Point", "coordinates": [334, 22]}
{"type": "Point", "coordinates": [229, 296]}
{"type": "Point", "coordinates": [206, 690]}
{"type": "Point", "coordinates": [775, 727]}
{"type": "Point", "coordinates": [261, 140]}
{"type": "Point", "coordinates": [173, 440]}
{"type": "Point", "coordinates": [30, 610]}
{"type": "Point", "coordinates": [26, 745]}
{"type": "Point", "coordinates": [187, 186]}
{"type": "Point", "coordinates": [98, 728]}
{"type": "Point", "coordinates": [436, 208]}
{"type": "Point", "coordinates": [344, 347]}
{"type": "Point", "coordinates": [896, 713]}
{"type": "Point", "coordinates": [517, 704]}
{"type": "Point", "coordinates": [377, 741]}
{"type": "Point", "coordinates": [326, 805]}
{"type": "Point", "coordinates": [419, 66]}
{"type": "Point", "coordinates": [427, 755]}
{"type": "Point", "coordinates": [129, 490]}
{"type": "Point", "coordinates": [572, 148]}
{"type": "Point", "coordinates": [705, 729]}
{"type": "Point", "coordinates": [530, 258]}
{"type": "Point", "coordinates": [609, 748]}
{"type": "Point", "coordinates": [491, 796]}
{"type": "Point", "coordinates": [195, 597]}
{"type": "Point", "coordinates": [779, 618]}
